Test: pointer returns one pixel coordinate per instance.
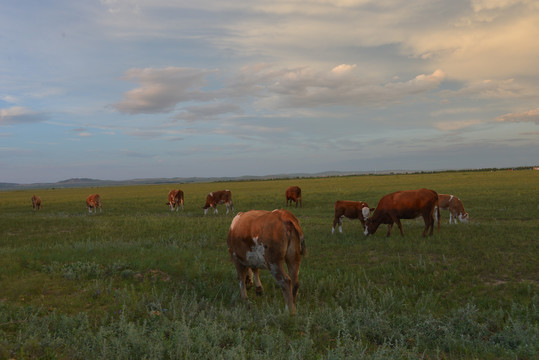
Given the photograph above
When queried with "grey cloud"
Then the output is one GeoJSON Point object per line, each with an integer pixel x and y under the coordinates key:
{"type": "Point", "coordinates": [161, 90]}
{"type": "Point", "coordinates": [526, 116]}
{"type": "Point", "coordinates": [207, 112]}
{"type": "Point", "coordinates": [20, 115]}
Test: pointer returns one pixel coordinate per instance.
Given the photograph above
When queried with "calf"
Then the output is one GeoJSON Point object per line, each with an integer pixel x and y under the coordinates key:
{"type": "Point", "coordinates": [260, 239]}
{"type": "Point", "coordinates": [404, 205]}
{"type": "Point", "coordinates": [351, 210]}
{"type": "Point", "coordinates": [175, 199]}
{"type": "Point", "coordinates": [293, 193]}
{"type": "Point", "coordinates": [93, 202]}
{"type": "Point", "coordinates": [219, 197]}
{"type": "Point", "coordinates": [455, 207]}
{"type": "Point", "coordinates": [36, 202]}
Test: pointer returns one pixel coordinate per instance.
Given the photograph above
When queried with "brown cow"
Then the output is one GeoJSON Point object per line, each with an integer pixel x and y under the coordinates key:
{"type": "Point", "coordinates": [36, 202]}
{"type": "Point", "coordinates": [351, 210]}
{"type": "Point", "coordinates": [455, 207]}
{"type": "Point", "coordinates": [293, 193]}
{"type": "Point", "coordinates": [93, 202]}
{"type": "Point", "coordinates": [260, 239]}
{"type": "Point", "coordinates": [219, 197]}
{"type": "Point", "coordinates": [175, 199]}
{"type": "Point", "coordinates": [407, 204]}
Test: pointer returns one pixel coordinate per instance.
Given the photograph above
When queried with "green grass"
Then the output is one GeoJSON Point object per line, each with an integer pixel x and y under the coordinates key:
{"type": "Point", "coordinates": [137, 281]}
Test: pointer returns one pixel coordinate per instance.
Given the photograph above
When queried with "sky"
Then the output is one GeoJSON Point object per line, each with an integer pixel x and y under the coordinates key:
{"type": "Point", "coordinates": [129, 89]}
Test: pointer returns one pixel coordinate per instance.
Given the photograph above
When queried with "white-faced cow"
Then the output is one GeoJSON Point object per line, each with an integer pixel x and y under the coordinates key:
{"type": "Point", "coordinates": [455, 207]}
{"type": "Point", "coordinates": [93, 202]}
{"type": "Point", "coordinates": [407, 204]}
{"type": "Point", "coordinates": [351, 210]}
{"type": "Point", "coordinates": [260, 239]}
{"type": "Point", "coordinates": [219, 197]}
{"type": "Point", "coordinates": [36, 202]}
{"type": "Point", "coordinates": [175, 199]}
{"type": "Point", "coordinates": [293, 193]}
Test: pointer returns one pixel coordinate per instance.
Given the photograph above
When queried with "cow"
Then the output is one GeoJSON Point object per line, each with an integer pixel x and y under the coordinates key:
{"type": "Point", "coordinates": [219, 197]}
{"type": "Point", "coordinates": [293, 193]}
{"type": "Point", "coordinates": [260, 239]}
{"type": "Point", "coordinates": [455, 207]}
{"type": "Point", "coordinates": [175, 199]}
{"type": "Point", "coordinates": [407, 204]}
{"type": "Point", "coordinates": [36, 202]}
{"type": "Point", "coordinates": [93, 202]}
{"type": "Point", "coordinates": [351, 210]}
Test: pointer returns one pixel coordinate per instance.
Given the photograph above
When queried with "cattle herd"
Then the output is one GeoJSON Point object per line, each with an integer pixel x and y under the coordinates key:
{"type": "Point", "coordinates": [260, 239]}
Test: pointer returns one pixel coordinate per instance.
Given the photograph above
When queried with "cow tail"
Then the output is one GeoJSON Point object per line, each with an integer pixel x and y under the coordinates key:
{"type": "Point", "coordinates": [303, 250]}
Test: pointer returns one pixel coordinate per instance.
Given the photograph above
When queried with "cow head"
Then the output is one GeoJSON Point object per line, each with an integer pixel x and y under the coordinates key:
{"type": "Point", "coordinates": [370, 226]}
{"type": "Point", "coordinates": [463, 218]}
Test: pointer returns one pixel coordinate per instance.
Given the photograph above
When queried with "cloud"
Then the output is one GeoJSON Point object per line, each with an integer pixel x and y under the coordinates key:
{"type": "Point", "coordinates": [526, 116]}
{"type": "Point", "coordinates": [19, 115]}
{"type": "Point", "coordinates": [207, 112]}
{"type": "Point", "coordinates": [456, 125]}
{"type": "Point", "coordinates": [162, 89]}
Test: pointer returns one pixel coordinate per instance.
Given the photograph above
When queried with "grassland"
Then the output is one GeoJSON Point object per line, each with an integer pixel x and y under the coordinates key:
{"type": "Point", "coordinates": [137, 281]}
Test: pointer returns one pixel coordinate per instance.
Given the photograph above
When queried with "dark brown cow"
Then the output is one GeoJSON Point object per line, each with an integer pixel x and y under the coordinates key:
{"type": "Point", "coordinates": [293, 193]}
{"type": "Point", "coordinates": [36, 202]}
{"type": "Point", "coordinates": [351, 210]}
{"type": "Point", "coordinates": [219, 197]}
{"type": "Point", "coordinates": [407, 204]}
{"type": "Point", "coordinates": [93, 202]}
{"type": "Point", "coordinates": [455, 207]}
{"type": "Point", "coordinates": [175, 199]}
{"type": "Point", "coordinates": [260, 239]}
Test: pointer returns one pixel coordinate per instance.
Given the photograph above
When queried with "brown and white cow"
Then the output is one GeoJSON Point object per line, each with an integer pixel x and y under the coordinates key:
{"type": "Point", "coordinates": [260, 239]}
{"type": "Point", "coordinates": [93, 202]}
{"type": "Point", "coordinates": [175, 199]}
{"type": "Point", "coordinates": [351, 210]}
{"type": "Point", "coordinates": [455, 207]}
{"type": "Point", "coordinates": [293, 193]}
{"type": "Point", "coordinates": [219, 197]}
{"type": "Point", "coordinates": [407, 204]}
{"type": "Point", "coordinates": [36, 202]}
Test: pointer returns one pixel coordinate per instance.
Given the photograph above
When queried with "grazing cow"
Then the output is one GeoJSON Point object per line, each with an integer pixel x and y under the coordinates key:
{"type": "Point", "coordinates": [36, 202]}
{"type": "Point", "coordinates": [455, 207]}
{"type": "Point", "coordinates": [219, 197]}
{"type": "Point", "coordinates": [93, 202]}
{"type": "Point", "coordinates": [404, 205]}
{"type": "Point", "coordinates": [351, 210]}
{"type": "Point", "coordinates": [260, 239]}
{"type": "Point", "coordinates": [175, 199]}
{"type": "Point", "coordinates": [293, 193]}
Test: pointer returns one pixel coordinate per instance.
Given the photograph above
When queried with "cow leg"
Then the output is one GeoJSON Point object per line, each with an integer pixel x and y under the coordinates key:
{"type": "Point", "coordinates": [398, 221]}
{"type": "Point", "coordinates": [284, 281]}
{"type": "Point", "coordinates": [335, 221]}
{"type": "Point", "coordinates": [243, 275]}
{"type": "Point", "coordinates": [258, 284]}
{"type": "Point", "coordinates": [389, 226]}
{"type": "Point", "coordinates": [429, 223]}
{"type": "Point", "coordinates": [293, 263]}
{"type": "Point", "coordinates": [215, 211]}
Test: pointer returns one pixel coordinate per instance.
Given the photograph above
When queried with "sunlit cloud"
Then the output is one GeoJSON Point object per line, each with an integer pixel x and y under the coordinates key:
{"type": "Point", "coordinates": [526, 116]}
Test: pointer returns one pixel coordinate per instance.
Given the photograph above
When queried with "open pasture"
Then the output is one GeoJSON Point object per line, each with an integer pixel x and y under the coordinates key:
{"type": "Point", "coordinates": [137, 281]}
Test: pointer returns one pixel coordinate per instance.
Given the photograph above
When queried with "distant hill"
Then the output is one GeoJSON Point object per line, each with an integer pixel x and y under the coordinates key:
{"type": "Point", "coordinates": [87, 182]}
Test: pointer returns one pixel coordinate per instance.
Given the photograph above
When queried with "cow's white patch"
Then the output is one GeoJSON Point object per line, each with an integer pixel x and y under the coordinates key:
{"type": "Point", "coordinates": [255, 257]}
{"type": "Point", "coordinates": [333, 230]}
{"type": "Point", "coordinates": [365, 212]}
{"type": "Point", "coordinates": [450, 198]}
{"type": "Point", "coordinates": [366, 232]}
{"type": "Point", "coordinates": [340, 228]}
{"type": "Point", "coordinates": [211, 194]}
